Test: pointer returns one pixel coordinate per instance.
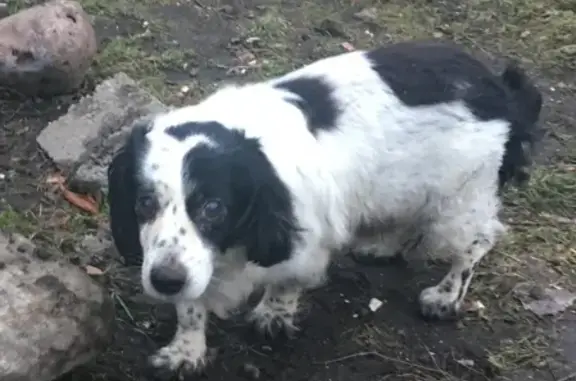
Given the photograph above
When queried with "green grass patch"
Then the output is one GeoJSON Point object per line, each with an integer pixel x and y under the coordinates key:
{"type": "Point", "coordinates": [132, 56]}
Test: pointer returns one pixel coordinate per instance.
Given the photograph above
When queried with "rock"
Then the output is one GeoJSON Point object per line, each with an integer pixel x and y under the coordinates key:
{"type": "Point", "coordinates": [94, 245]}
{"type": "Point", "coordinates": [84, 140]}
{"type": "Point", "coordinates": [367, 15]}
{"type": "Point", "coordinates": [331, 28]}
{"type": "Point", "coordinates": [250, 371]}
{"type": "Point", "coordinates": [4, 10]}
{"type": "Point", "coordinates": [53, 317]}
{"type": "Point", "coordinates": [46, 49]}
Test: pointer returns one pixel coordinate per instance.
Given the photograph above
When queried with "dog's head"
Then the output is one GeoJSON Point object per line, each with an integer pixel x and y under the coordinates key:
{"type": "Point", "coordinates": [182, 195]}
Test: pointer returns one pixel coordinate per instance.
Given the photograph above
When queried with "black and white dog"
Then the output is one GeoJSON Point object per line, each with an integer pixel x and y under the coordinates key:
{"type": "Point", "coordinates": [402, 149]}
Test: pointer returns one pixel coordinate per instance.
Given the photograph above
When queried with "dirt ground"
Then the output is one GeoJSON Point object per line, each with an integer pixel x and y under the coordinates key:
{"type": "Point", "coordinates": [180, 50]}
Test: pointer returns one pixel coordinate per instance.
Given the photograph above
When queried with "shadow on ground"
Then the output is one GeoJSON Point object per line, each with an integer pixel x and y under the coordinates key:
{"type": "Point", "coordinates": [182, 50]}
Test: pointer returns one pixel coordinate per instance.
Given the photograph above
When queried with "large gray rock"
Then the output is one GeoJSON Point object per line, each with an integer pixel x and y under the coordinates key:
{"type": "Point", "coordinates": [46, 49]}
{"type": "Point", "coordinates": [53, 316]}
{"type": "Point", "coordinates": [84, 140]}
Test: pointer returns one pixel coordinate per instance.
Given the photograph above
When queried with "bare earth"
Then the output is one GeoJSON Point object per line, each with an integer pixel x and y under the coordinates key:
{"type": "Point", "coordinates": [199, 44]}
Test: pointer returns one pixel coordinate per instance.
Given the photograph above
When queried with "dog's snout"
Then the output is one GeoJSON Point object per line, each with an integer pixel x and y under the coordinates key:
{"type": "Point", "coordinates": [168, 279]}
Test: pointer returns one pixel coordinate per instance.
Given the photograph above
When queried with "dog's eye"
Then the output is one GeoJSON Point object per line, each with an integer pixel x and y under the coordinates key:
{"type": "Point", "coordinates": [146, 207]}
{"type": "Point", "coordinates": [213, 210]}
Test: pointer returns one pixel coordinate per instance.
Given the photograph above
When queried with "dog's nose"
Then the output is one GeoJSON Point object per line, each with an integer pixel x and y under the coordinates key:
{"type": "Point", "coordinates": [168, 279]}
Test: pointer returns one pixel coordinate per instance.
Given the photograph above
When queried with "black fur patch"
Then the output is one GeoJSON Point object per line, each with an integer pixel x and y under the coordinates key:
{"type": "Point", "coordinates": [235, 171]}
{"type": "Point", "coordinates": [122, 194]}
{"type": "Point", "coordinates": [430, 72]}
{"type": "Point", "coordinates": [316, 102]}
{"type": "Point", "coordinates": [183, 131]}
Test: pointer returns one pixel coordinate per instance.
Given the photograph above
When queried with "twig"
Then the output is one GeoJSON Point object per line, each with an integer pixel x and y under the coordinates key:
{"type": "Point", "coordinates": [124, 307]}
{"type": "Point", "coordinates": [382, 357]}
{"type": "Point", "coordinates": [569, 377]}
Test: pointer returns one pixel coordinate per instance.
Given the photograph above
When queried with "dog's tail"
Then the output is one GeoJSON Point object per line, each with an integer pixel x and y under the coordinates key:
{"type": "Point", "coordinates": [525, 108]}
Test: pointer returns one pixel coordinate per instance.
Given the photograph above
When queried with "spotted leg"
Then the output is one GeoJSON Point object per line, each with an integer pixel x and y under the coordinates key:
{"type": "Point", "coordinates": [186, 353]}
{"type": "Point", "coordinates": [444, 300]}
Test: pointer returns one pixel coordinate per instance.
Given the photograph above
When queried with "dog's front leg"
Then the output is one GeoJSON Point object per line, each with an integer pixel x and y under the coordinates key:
{"type": "Point", "coordinates": [187, 352]}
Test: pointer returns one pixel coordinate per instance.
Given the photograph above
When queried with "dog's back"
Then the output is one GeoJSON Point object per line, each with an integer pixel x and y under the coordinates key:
{"type": "Point", "coordinates": [402, 127]}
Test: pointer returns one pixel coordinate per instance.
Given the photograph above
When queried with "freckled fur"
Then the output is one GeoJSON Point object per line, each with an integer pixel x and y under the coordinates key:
{"type": "Point", "coordinates": [417, 142]}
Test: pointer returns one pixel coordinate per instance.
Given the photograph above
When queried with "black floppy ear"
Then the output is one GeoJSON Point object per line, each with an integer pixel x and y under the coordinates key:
{"type": "Point", "coordinates": [121, 200]}
{"type": "Point", "coordinates": [272, 229]}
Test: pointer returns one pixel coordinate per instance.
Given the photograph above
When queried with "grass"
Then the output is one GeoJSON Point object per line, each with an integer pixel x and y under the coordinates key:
{"type": "Point", "coordinates": [132, 56]}
{"type": "Point", "coordinates": [108, 8]}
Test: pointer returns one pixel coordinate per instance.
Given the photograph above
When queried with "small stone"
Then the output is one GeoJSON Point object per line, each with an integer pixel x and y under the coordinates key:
{"type": "Point", "coordinates": [193, 73]}
{"type": "Point", "coordinates": [22, 244]}
{"type": "Point", "coordinates": [93, 270]}
{"type": "Point", "coordinates": [466, 362]}
{"type": "Point", "coordinates": [347, 46]}
{"type": "Point", "coordinates": [254, 41]}
{"type": "Point", "coordinates": [375, 304]}
{"type": "Point", "coordinates": [367, 14]}
{"type": "Point", "coordinates": [250, 371]}
{"type": "Point", "coordinates": [568, 49]}
{"type": "Point", "coordinates": [331, 28]}
{"type": "Point", "coordinates": [537, 292]}
{"type": "Point", "coordinates": [43, 254]}
{"type": "Point", "coordinates": [245, 57]}
{"type": "Point", "coordinates": [46, 49]}
{"type": "Point", "coordinates": [93, 245]}
{"type": "Point", "coordinates": [266, 348]}
{"type": "Point", "coordinates": [228, 10]}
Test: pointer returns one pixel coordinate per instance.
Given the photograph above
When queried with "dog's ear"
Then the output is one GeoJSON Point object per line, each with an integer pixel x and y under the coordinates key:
{"type": "Point", "coordinates": [271, 229]}
{"type": "Point", "coordinates": [270, 237]}
{"type": "Point", "coordinates": [121, 200]}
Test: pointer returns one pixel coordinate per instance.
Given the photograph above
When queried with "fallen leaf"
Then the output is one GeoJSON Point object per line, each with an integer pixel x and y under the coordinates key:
{"type": "Point", "coordinates": [84, 202]}
{"type": "Point", "coordinates": [348, 46]}
{"type": "Point", "coordinates": [92, 270]}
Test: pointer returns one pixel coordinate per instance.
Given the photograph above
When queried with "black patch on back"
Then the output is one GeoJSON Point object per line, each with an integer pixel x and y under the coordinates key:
{"type": "Point", "coordinates": [182, 131]}
{"type": "Point", "coordinates": [430, 72]}
{"type": "Point", "coordinates": [425, 73]}
{"type": "Point", "coordinates": [236, 172]}
{"type": "Point", "coordinates": [316, 102]}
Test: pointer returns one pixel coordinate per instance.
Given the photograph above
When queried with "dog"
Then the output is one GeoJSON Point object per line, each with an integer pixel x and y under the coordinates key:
{"type": "Point", "coordinates": [403, 149]}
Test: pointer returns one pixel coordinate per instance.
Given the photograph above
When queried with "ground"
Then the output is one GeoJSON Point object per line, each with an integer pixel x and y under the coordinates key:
{"type": "Point", "coordinates": [182, 50]}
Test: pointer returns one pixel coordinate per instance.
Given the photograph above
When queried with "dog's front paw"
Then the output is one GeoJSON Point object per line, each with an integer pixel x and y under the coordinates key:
{"type": "Point", "coordinates": [439, 304]}
{"type": "Point", "coordinates": [271, 322]}
{"type": "Point", "coordinates": [179, 361]}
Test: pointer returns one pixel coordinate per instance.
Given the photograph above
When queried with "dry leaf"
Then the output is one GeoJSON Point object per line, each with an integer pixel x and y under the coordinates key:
{"type": "Point", "coordinates": [348, 46]}
{"type": "Point", "coordinates": [92, 270]}
{"type": "Point", "coordinates": [84, 202]}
